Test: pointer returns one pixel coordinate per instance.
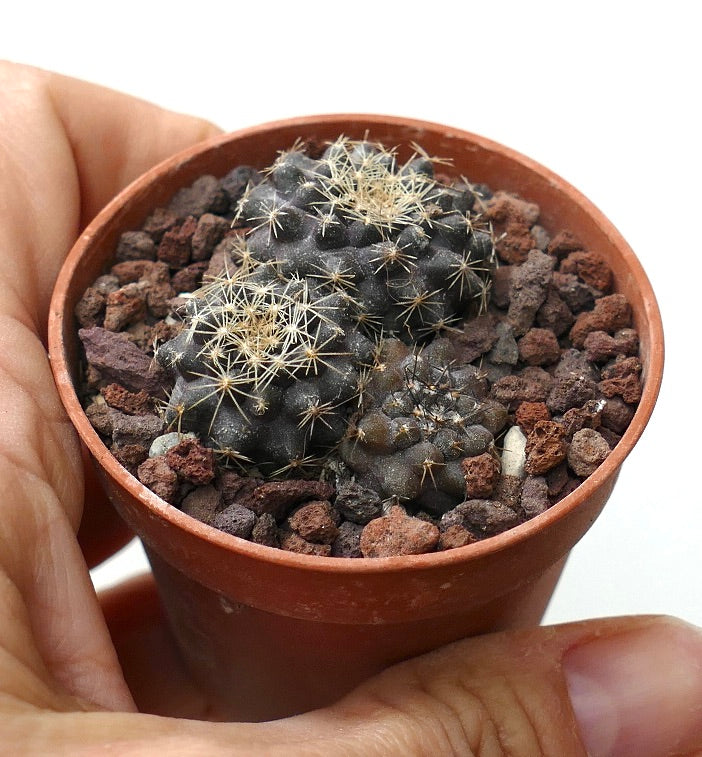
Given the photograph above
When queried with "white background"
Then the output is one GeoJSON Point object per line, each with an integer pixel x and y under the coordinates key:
{"type": "Point", "coordinates": [607, 96]}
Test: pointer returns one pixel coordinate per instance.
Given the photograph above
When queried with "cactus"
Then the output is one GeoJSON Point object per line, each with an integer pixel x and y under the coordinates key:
{"type": "Point", "coordinates": [347, 259]}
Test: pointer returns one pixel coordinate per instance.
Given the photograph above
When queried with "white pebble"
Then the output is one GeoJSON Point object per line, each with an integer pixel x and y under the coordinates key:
{"type": "Point", "coordinates": [514, 453]}
{"type": "Point", "coordinates": [161, 444]}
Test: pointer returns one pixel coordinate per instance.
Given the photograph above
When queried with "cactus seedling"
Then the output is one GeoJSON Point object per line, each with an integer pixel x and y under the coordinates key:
{"type": "Point", "coordinates": [348, 257]}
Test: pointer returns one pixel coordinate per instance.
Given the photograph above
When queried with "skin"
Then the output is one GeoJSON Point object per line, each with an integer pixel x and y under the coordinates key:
{"type": "Point", "coordinates": [73, 668]}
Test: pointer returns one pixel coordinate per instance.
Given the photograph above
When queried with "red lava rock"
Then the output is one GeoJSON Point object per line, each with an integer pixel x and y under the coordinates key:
{"type": "Point", "coordinates": [455, 536]}
{"type": "Point", "coordinates": [563, 243]}
{"type": "Point", "coordinates": [528, 290]}
{"type": "Point", "coordinates": [622, 366]}
{"type": "Point", "coordinates": [539, 347]}
{"type": "Point", "coordinates": [532, 384]}
{"type": "Point", "coordinates": [130, 454]}
{"type": "Point", "coordinates": [315, 522]}
{"type": "Point", "coordinates": [157, 273]}
{"type": "Point", "coordinates": [90, 310]}
{"type": "Point", "coordinates": [204, 195]}
{"type": "Point", "coordinates": [534, 500]}
{"type": "Point", "coordinates": [622, 378]}
{"type": "Point", "coordinates": [512, 220]}
{"type": "Point", "coordinates": [188, 279]}
{"type": "Point", "coordinates": [528, 414]}
{"type": "Point", "coordinates": [235, 520]}
{"type": "Point", "coordinates": [478, 336]}
{"type": "Point", "coordinates": [203, 503]}
{"type": "Point", "coordinates": [398, 534]}
{"type": "Point", "coordinates": [131, 271]}
{"type": "Point", "coordinates": [159, 222]}
{"type": "Point", "coordinates": [235, 488]}
{"type": "Point", "coordinates": [589, 267]}
{"type": "Point", "coordinates": [155, 473]}
{"type": "Point", "coordinates": [627, 387]}
{"type": "Point", "coordinates": [277, 497]}
{"type": "Point", "coordinates": [175, 246]}
{"type": "Point", "coordinates": [136, 429]}
{"type": "Point", "coordinates": [132, 403]}
{"type": "Point", "coordinates": [610, 313]}
{"type": "Point", "coordinates": [616, 414]}
{"type": "Point", "coordinates": [574, 363]}
{"type": "Point", "coordinates": [135, 245]}
{"type": "Point", "coordinates": [158, 299]}
{"type": "Point", "coordinates": [348, 542]}
{"type": "Point", "coordinates": [208, 234]}
{"type": "Point", "coordinates": [501, 285]}
{"type": "Point", "coordinates": [514, 242]}
{"type": "Point", "coordinates": [573, 391]}
{"type": "Point", "coordinates": [546, 447]}
{"type": "Point", "coordinates": [577, 295]}
{"type": "Point", "coordinates": [293, 542]}
{"type": "Point", "coordinates": [265, 531]}
{"type": "Point", "coordinates": [600, 346]}
{"type": "Point", "coordinates": [125, 306]}
{"type": "Point", "coordinates": [503, 206]}
{"type": "Point", "coordinates": [162, 331]}
{"type": "Point", "coordinates": [587, 416]}
{"type": "Point", "coordinates": [554, 314]}
{"type": "Point", "coordinates": [101, 417]}
{"type": "Point", "coordinates": [481, 474]}
{"type": "Point", "coordinates": [192, 461]}
{"type": "Point", "coordinates": [587, 451]}
{"type": "Point", "coordinates": [118, 360]}
{"type": "Point", "coordinates": [482, 517]}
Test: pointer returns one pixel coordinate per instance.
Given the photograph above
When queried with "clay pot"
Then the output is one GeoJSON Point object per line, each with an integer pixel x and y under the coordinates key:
{"type": "Point", "coordinates": [271, 633]}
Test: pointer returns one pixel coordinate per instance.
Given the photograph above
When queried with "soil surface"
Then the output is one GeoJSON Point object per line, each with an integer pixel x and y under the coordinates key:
{"type": "Point", "coordinates": [555, 358]}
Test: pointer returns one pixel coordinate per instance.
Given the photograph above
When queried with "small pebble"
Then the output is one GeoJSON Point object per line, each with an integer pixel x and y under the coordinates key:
{"type": "Point", "coordinates": [546, 447]}
{"type": "Point", "coordinates": [161, 444]}
{"type": "Point", "coordinates": [587, 452]}
{"type": "Point", "coordinates": [514, 453]}
{"type": "Point", "coordinates": [398, 534]}
{"type": "Point", "coordinates": [235, 520]}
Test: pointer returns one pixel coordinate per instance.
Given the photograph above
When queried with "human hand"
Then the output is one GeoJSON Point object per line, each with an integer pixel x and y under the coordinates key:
{"type": "Point", "coordinates": [625, 686]}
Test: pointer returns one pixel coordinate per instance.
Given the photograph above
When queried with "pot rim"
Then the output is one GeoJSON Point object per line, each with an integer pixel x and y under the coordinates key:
{"type": "Point", "coordinates": [58, 356]}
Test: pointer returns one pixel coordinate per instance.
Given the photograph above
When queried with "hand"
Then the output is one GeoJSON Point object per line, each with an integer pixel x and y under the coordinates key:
{"type": "Point", "coordinates": [628, 686]}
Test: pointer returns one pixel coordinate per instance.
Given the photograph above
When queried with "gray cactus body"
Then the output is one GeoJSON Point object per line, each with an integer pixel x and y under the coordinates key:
{"type": "Point", "coordinates": [348, 258]}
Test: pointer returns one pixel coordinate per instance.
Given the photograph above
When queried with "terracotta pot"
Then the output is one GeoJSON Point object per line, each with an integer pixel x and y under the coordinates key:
{"type": "Point", "coordinates": [272, 633]}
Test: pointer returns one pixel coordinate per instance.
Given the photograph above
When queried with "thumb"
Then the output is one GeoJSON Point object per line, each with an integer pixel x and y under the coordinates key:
{"type": "Point", "coordinates": [628, 686]}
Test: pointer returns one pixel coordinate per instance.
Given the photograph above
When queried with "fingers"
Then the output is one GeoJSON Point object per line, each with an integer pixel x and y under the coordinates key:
{"type": "Point", "coordinates": [115, 137]}
{"type": "Point", "coordinates": [606, 688]}
{"type": "Point", "coordinates": [65, 148]}
{"type": "Point", "coordinates": [629, 686]}
{"type": "Point", "coordinates": [610, 687]}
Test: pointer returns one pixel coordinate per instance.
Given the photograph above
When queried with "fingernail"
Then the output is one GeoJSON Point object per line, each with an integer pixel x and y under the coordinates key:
{"type": "Point", "coordinates": [639, 693]}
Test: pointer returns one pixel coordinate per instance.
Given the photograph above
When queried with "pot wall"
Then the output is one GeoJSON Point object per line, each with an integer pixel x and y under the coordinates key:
{"type": "Point", "coordinates": [350, 615]}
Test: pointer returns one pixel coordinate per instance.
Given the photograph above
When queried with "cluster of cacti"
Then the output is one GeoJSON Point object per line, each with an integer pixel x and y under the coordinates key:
{"type": "Point", "coordinates": [346, 258]}
{"type": "Point", "coordinates": [423, 415]}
